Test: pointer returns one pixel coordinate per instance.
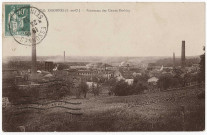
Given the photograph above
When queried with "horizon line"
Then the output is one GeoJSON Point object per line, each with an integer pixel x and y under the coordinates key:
{"type": "Point", "coordinates": [99, 56]}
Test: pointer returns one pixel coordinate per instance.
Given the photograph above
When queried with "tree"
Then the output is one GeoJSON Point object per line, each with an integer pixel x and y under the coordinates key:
{"type": "Point", "coordinates": [178, 73]}
{"type": "Point", "coordinates": [138, 87]}
{"type": "Point", "coordinates": [186, 79]}
{"type": "Point", "coordinates": [111, 82]}
{"type": "Point", "coordinates": [140, 84]}
{"type": "Point", "coordinates": [95, 90]}
{"type": "Point", "coordinates": [121, 88]}
{"type": "Point", "coordinates": [83, 88]}
{"type": "Point", "coordinates": [63, 91]}
{"type": "Point", "coordinates": [165, 81]}
{"type": "Point", "coordinates": [141, 79]}
{"type": "Point", "coordinates": [62, 66]}
{"type": "Point", "coordinates": [202, 67]}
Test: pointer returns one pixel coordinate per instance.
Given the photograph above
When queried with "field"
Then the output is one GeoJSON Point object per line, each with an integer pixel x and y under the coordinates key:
{"type": "Point", "coordinates": [162, 111]}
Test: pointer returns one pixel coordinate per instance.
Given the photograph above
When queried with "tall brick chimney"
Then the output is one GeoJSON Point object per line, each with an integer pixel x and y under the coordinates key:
{"type": "Point", "coordinates": [34, 59]}
{"type": "Point", "coordinates": [183, 54]}
{"type": "Point", "coordinates": [64, 56]}
{"type": "Point", "coordinates": [173, 60]}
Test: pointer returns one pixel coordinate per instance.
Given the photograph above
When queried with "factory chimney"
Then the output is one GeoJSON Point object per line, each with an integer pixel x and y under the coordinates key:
{"type": "Point", "coordinates": [173, 60]}
{"type": "Point", "coordinates": [183, 54]}
{"type": "Point", "coordinates": [64, 56]}
{"type": "Point", "coordinates": [34, 59]}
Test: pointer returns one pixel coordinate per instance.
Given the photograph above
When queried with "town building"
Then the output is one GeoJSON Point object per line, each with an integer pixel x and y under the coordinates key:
{"type": "Point", "coordinates": [153, 80]}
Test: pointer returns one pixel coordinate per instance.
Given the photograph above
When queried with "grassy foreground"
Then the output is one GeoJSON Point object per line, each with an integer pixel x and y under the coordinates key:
{"type": "Point", "coordinates": [162, 111]}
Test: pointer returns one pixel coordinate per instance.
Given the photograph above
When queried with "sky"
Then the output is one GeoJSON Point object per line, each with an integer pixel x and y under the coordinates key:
{"type": "Point", "coordinates": [149, 29]}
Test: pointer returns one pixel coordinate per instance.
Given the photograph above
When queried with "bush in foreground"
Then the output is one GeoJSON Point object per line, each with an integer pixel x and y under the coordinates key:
{"type": "Point", "coordinates": [121, 88]}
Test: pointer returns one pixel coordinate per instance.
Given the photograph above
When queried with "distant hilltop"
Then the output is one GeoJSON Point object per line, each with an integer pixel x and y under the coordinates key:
{"type": "Point", "coordinates": [110, 60]}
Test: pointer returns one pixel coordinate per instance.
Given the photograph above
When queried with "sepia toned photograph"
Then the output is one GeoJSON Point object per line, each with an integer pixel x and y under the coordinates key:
{"type": "Point", "coordinates": [103, 67]}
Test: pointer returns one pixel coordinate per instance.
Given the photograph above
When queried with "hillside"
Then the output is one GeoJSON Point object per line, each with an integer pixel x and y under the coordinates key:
{"type": "Point", "coordinates": [111, 60]}
{"type": "Point", "coordinates": [161, 111]}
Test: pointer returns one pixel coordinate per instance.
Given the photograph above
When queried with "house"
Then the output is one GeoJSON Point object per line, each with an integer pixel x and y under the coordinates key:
{"type": "Point", "coordinates": [154, 73]}
{"type": "Point", "coordinates": [129, 81]}
{"type": "Point", "coordinates": [118, 75]}
{"type": "Point", "coordinates": [125, 75]}
{"type": "Point", "coordinates": [91, 85]}
{"type": "Point", "coordinates": [98, 66]}
{"type": "Point", "coordinates": [126, 64]}
{"type": "Point", "coordinates": [153, 80]}
{"type": "Point", "coordinates": [86, 72]}
{"type": "Point", "coordinates": [106, 74]}
{"type": "Point", "coordinates": [137, 74]}
{"type": "Point", "coordinates": [103, 66]}
{"type": "Point", "coordinates": [49, 66]}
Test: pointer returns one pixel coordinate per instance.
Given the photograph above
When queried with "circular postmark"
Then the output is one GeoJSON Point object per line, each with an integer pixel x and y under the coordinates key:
{"type": "Point", "coordinates": [28, 25]}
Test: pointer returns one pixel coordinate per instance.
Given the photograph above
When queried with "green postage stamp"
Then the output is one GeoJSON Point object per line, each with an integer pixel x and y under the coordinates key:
{"type": "Point", "coordinates": [16, 20]}
{"type": "Point", "coordinates": [26, 24]}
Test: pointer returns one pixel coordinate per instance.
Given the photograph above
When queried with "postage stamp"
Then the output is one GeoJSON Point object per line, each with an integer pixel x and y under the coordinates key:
{"type": "Point", "coordinates": [25, 23]}
{"type": "Point", "coordinates": [16, 20]}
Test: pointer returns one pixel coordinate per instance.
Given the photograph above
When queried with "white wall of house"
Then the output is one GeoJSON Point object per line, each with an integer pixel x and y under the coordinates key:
{"type": "Point", "coordinates": [137, 74]}
{"type": "Point", "coordinates": [90, 84]}
{"type": "Point", "coordinates": [153, 80]}
{"type": "Point", "coordinates": [129, 81]}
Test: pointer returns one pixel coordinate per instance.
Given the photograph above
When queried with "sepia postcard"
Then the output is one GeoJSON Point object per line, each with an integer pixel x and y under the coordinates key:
{"type": "Point", "coordinates": [109, 67]}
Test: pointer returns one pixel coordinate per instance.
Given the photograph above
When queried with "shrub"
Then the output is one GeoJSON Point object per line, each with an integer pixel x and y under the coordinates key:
{"type": "Point", "coordinates": [62, 66]}
{"type": "Point", "coordinates": [95, 90]}
{"type": "Point", "coordinates": [55, 91]}
{"type": "Point", "coordinates": [83, 89]}
{"type": "Point", "coordinates": [138, 88]}
{"type": "Point", "coordinates": [21, 96]}
{"type": "Point", "coordinates": [121, 88]}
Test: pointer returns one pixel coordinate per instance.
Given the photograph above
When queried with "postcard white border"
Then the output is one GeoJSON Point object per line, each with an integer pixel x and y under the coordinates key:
{"type": "Point", "coordinates": [95, 133]}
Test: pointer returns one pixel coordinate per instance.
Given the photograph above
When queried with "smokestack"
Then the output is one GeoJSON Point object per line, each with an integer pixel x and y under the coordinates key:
{"type": "Point", "coordinates": [183, 54]}
{"type": "Point", "coordinates": [173, 60]}
{"type": "Point", "coordinates": [64, 56]}
{"type": "Point", "coordinates": [34, 59]}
